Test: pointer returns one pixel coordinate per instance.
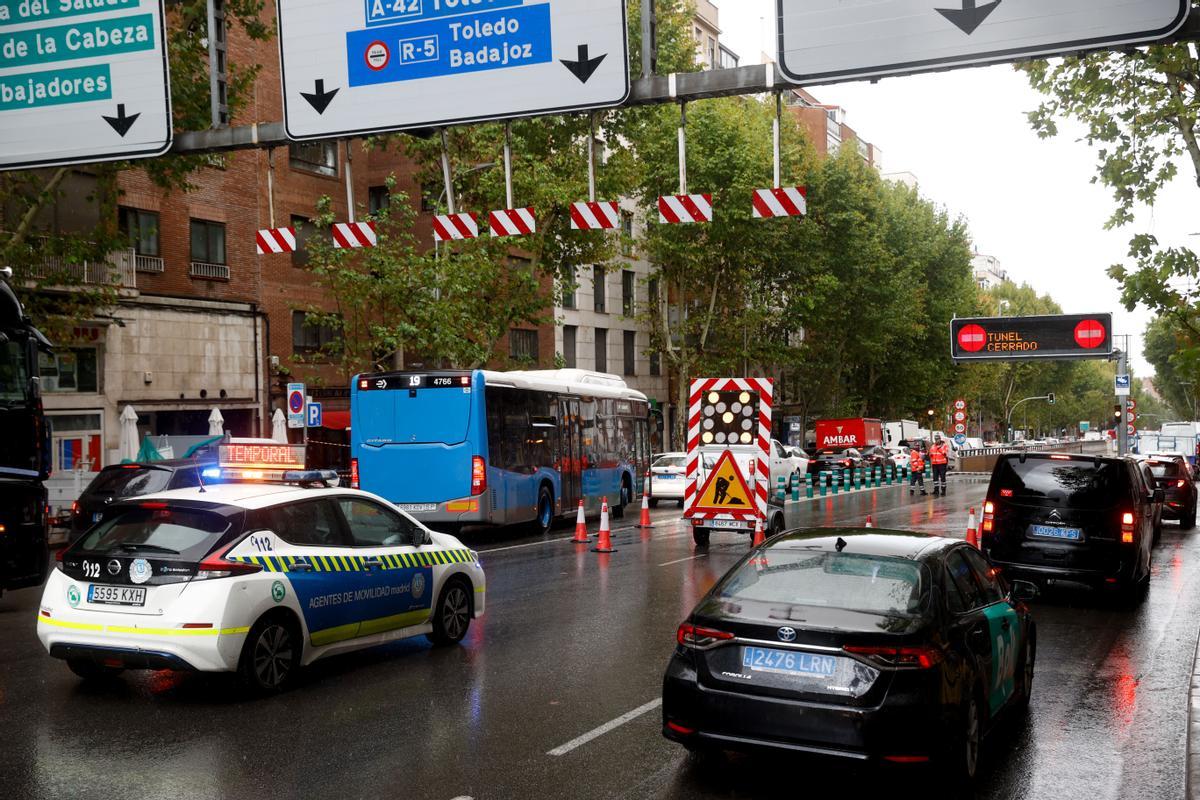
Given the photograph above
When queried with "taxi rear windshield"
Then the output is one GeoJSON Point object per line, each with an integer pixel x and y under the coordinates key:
{"type": "Point", "coordinates": [130, 481]}
{"type": "Point", "coordinates": [853, 582]}
{"type": "Point", "coordinates": [148, 530]}
{"type": "Point", "coordinates": [1072, 483]}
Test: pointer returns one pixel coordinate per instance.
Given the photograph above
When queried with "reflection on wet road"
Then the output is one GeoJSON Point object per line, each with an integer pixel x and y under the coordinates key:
{"type": "Point", "coordinates": [573, 646]}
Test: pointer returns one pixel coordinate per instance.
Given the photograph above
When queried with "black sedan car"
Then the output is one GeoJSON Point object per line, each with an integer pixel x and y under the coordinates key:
{"type": "Point", "coordinates": [1179, 490]}
{"type": "Point", "coordinates": [873, 646]}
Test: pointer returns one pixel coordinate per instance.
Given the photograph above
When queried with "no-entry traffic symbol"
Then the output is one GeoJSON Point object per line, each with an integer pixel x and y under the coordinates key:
{"type": "Point", "coordinates": [1022, 338]}
{"type": "Point", "coordinates": [972, 338]}
{"type": "Point", "coordinates": [1090, 334]}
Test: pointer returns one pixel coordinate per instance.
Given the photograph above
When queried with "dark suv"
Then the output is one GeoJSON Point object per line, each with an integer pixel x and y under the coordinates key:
{"type": "Point", "coordinates": [131, 480]}
{"type": "Point", "coordinates": [1179, 492]}
{"type": "Point", "coordinates": [1079, 518]}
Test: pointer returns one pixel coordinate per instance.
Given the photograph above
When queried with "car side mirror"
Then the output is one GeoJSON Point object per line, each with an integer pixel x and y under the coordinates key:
{"type": "Point", "coordinates": [1024, 591]}
{"type": "Point", "coordinates": [1160, 495]}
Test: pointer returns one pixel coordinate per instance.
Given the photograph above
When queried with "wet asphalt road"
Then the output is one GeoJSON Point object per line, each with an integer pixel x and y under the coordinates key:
{"type": "Point", "coordinates": [574, 641]}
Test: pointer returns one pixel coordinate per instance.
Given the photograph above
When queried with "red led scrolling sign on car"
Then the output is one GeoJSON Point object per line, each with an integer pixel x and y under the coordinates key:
{"type": "Point", "coordinates": [262, 456]}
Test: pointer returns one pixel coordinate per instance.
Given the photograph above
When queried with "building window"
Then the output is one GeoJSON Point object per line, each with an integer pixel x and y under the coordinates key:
{"type": "Point", "coordinates": [630, 344]}
{"type": "Point", "coordinates": [627, 233]}
{"type": "Point", "coordinates": [655, 363]}
{"type": "Point", "coordinates": [712, 53]}
{"type": "Point", "coordinates": [601, 350]}
{"type": "Point", "coordinates": [570, 334]}
{"type": "Point", "coordinates": [142, 229]}
{"type": "Point", "coordinates": [75, 441]}
{"type": "Point", "coordinates": [652, 293]}
{"type": "Point", "coordinates": [432, 194]}
{"type": "Point", "coordinates": [523, 345]}
{"type": "Point", "coordinates": [569, 288]}
{"type": "Point", "coordinates": [378, 199]}
{"type": "Point", "coordinates": [70, 370]}
{"type": "Point", "coordinates": [304, 231]}
{"type": "Point", "coordinates": [309, 339]}
{"type": "Point", "coordinates": [598, 290]}
{"type": "Point", "coordinates": [318, 157]}
{"type": "Point", "coordinates": [208, 242]}
{"type": "Point", "coordinates": [628, 306]}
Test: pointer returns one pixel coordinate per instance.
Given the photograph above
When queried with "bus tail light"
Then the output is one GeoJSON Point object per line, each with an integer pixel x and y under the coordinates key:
{"type": "Point", "coordinates": [478, 476]}
{"type": "Point", "coordinates": [354, 473]}
{"type": "Point", "coordinates": [1127, 527]}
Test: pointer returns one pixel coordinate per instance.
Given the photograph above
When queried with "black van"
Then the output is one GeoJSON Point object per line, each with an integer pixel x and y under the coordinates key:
{"type": "Point", "coordinates": [1079, 518]}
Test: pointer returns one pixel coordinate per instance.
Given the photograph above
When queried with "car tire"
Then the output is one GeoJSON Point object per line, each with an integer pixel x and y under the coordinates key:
{"type": "Point", "coordinates": [1132, 595]}
{"type": "Point", "coordinates": [964, 749]}
{"type": "Point", "coordinates": [270, 655]}
{"type": "Point", "coordinates": [680, 502]}
{"type": "Point", "coordinates": [653, 503]}
{"type": "Point", "coordinates": [701, 536]}
{"type": "Point", "coordinates": [1028, 662]}
{"type": "Point", "coordinates": [544, 520]}
{"type": "Point", "coordinates": [452, 614]}
{"type": "Point", "coordinates": [89, 670]}
{"type": "Point", "coordinates": [1189, 522]}
{"type": "Point", "coordinates": [776, 525]}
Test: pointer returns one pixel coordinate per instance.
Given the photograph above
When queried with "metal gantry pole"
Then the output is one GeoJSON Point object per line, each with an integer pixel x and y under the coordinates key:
{"type": "Point", "coordinates": [271, 185]}
{"type": "Point", "coordinates": [508, 181]}
{"type": "Point", "coordinates": [446, 177]}
{"type": "Point", "coordinates": [683, 181]}
{"type": "Point", "coordinates": [649, 45]}
{"type": "Point", "coordinates": [591, 158]}
{"type": "Point", "coordinates": [776, 128]}
{"type": "Point", "coordinates": [349, 184]}
{"type": "Point", "coordinates": [1123, 422]}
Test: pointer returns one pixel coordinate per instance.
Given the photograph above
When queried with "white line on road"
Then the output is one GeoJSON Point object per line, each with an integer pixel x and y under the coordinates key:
{"type": "Point", "coordinates": [579, 741]}
{"type": "Point", "coordinates": [681, 560]}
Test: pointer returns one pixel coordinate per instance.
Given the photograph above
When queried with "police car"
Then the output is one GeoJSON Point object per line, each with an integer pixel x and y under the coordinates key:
{"type": "Point", "coordinates": [260, 575]}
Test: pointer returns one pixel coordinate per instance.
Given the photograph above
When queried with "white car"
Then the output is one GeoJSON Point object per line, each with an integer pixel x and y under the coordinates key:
{"type": "Point", "coordinates": [786, 465]}
{"type": "Point", "coordinates": [255, 578]}
{"type": "Point", "coordinates": [668, 478]}
{"type": "Point", "coordinates": [898, 455]}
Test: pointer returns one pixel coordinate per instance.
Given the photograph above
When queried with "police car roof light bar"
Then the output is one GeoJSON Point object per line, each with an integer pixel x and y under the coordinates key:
{"type": "Point", "coordinates": [312, 477]}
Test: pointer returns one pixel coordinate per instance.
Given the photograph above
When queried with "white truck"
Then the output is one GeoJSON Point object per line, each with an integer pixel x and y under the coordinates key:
{"type": "Point", "coordinates": [1180, 437]}
{"type": "Point", "coordinates": [900, 430]}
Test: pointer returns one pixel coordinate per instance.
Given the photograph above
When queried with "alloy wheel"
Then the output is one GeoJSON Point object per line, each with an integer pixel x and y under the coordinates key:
{"type": "Point", "coordinates": [455, 612]}
{"type": "Point", "coordinates": [273, 656]}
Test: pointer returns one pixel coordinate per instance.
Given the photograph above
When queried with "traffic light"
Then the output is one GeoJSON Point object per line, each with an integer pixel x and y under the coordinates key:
{"type": "Point", "coordinates": [1117, 412]}
{"type": "Point", "coordinates": [1050, 398]}
{"type": "Point", "coordinates": [931, 413]}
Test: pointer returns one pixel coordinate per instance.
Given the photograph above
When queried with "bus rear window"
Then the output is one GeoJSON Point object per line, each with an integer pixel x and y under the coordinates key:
{"type": "Point", "coordinates": [421, 416]}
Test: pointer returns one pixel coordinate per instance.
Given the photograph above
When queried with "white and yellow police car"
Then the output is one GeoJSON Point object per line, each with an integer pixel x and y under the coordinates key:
{"type": "Point", "coordinates": [255, 577]}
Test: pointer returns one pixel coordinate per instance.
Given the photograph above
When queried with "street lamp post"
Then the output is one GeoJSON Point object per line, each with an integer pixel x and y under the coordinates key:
{"type": "Point", "coordinates": [1049, 398]}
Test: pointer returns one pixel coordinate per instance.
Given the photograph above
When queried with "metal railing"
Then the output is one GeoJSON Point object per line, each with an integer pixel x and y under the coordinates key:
{"type": "Point", "coordinates": [117, 270]}
{"type": "Point", "coordinates": [148, 263]}
{"type": "Point", "coordinates": [201, 269]}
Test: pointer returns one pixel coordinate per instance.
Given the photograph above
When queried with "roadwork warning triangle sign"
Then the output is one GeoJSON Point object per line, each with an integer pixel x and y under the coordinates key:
{"type": "Point", "coordinates": [725, 489]}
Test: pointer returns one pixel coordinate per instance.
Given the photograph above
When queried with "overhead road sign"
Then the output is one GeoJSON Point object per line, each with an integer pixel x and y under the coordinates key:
{"type": "Point", "coordinates": [82, 81]}
{"type": "Point", "coordinates": [1024, 338]}
{"type": "Point", "coordinates": [822, 41]}
{"type": "Point", "coordinates": [386, 65]}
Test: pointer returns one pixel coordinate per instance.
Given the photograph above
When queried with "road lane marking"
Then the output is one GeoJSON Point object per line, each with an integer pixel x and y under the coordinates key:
{"type": "Point", "coordinates": [595, 733]}
{"type": "Point", "coordinates": [681, 560]}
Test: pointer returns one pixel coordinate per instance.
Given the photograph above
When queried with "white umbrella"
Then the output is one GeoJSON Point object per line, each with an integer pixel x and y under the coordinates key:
{"type": "Point", "coordinates": [279, 426]}
{"type": "Point", "coordinates": [128, 446]}
{"type": "Point", "coordinates": [216, 423]}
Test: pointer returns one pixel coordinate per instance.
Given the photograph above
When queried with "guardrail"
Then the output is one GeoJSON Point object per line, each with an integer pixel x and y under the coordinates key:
{"type": "Point", "coordinates": [984, 460]}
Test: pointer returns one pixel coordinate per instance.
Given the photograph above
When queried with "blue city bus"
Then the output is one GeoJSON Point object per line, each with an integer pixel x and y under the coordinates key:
{"type": "Point", "coordinates": [498, 448]}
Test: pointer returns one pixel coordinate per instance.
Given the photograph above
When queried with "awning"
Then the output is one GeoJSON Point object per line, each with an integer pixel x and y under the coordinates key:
{"type": "Point", "coordinates": [335, 420]}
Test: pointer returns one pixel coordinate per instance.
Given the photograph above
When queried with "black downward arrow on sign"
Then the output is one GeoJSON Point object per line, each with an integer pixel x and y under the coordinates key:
{"type": "Point", "coordinates": [319, 99]}
{"type": "Point", "coordinates": [584, 67]}
{"type": "Point", "coordinates": [970, 16]}
{"type": "Point", "coordinates": [121, 123]}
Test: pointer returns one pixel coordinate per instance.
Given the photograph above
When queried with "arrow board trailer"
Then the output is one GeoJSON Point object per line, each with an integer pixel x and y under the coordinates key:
{"type": "Point", "coordinates": [371, 66]}
{"type": "Point", "coordinates": [822, 41]}
{"type": "Point", "coordinates": [82, 81]}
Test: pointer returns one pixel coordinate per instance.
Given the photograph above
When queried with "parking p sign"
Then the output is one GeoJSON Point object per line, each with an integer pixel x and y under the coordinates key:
{"type": "Point", "coordinates": [296, 401]}
{"type": "Point", "coordinates": [314, 415]}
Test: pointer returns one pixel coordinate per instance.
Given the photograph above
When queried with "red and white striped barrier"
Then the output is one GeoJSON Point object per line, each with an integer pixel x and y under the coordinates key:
{"type": "Point", "coordinates": [354, 234]}
{"type": "Point", "coordinates": [790, 201]}
{"type": "Point", "coordinates": [455, 227]}
{"type": "Point", "coordinates": [683, 209]}
{"type": "Point", "coordinates": [512, 222]}
{"type": "Point", "coordinates": [276, 240]}
{"type": "Point", "coordinates": [595, 216]}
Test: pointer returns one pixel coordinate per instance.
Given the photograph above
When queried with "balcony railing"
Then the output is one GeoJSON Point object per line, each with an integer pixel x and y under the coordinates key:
{"type": "Point", "coordinates": [201, 269]}
{"type": "Point", "coordinates": [148, 263]}
{"type": "Point", "coordinates": [117, 270]}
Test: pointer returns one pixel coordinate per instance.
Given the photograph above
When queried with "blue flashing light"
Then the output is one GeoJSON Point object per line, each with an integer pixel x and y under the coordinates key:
{"type": "Point", "coordinates": [213, 473]}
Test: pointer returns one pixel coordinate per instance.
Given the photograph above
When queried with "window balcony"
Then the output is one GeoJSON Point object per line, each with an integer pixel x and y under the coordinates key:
{"type": "Point", "coordinates": [200, 269]}
{"type": "Point", "coordinates": [117, 270]}
{"type": "Point", "coordinates": [148, 263]}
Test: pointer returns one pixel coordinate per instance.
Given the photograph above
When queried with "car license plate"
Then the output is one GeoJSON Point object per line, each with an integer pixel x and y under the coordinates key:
{"type": "Point", "coordinates": [667, 477]}
{"type": "Point", "coordinates": [788, 662]}
{"type": "Point", "coordinates": [117, 595]}
{"type": "Point", "coordinates": [96, 516]}
{"type": "Point", "coordinates": [1054, 532]}
{"type": "Point", "coordinates": [417, 508]}
{"type": "Point", "coordinates": [728, 524]}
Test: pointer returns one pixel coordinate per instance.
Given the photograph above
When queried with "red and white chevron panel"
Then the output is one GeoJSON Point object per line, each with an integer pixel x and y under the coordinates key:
{"type": "Point", "coordinates": [354, 234]}
{"type": "Point", "coordinates": [790, 201]}
{"type": "Point", "coordinates": [512, 222]}
{"type": "Point", "coordinates": [595, 216]}
{"type": "Point", "coordinates": [455, 227]}
{"type": "Point", "coordinates": [683, 209]}
{"type": "Point", "coordinates": [761, 479]}
{"type": "Point", "coordinates": [276, 240]}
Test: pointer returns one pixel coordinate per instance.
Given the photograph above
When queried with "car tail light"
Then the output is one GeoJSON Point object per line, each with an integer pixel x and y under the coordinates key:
{"type": "Point", "coordinates": [906, 657]}
{"type": "Point", "coordinates": [1127, 527]}
{"type": "Point", "coordinates": [675, 726]}
{"type": "Point", "coordinates": [155, 506]}
{"type": "Point", "coordinates": [907, 759]}
{"type": "Point", "coordinates": [75, 504]}
{"type": "Point", "coordinates": [354, 473]}
{"type": "Point", "coordinates": [989, 517]}
{"type": "Point", "coordinates": [1006, 492]}
{"type": "Point", "coordinates": [220, 567]}
{"type": "Point", "coordinates": [1180, 484]}
{"type": "Point", "coordinates": [478, 475]}
{"type": "Point", "coordinates": [690, 635]}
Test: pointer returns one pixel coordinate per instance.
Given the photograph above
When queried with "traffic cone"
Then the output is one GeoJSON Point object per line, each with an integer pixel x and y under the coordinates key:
{"type": "Point", "coordinates": [604, 543]}
{"type": "Point", "coordinates": [972, 530]}
{"type": "Point", "coordinates": [759, 538]}
{"type": "Point", "coordinates": [645, 521]}
{"type": "Point", "coordinates": [870, 522]}
{"type": "Point", "coordinates": [581, 534]}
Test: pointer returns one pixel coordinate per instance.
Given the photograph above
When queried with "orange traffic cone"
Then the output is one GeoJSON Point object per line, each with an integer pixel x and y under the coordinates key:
{"type": "Point", "coordinates": [604, 544]}
{"type": "Point", "coordinates": [581, 534]}
{"type": "Point", "coordinates": [870, 522]}
{"type": "Point", "coordinates": [759, 538]}
{"type": "Point", "coordinates": [645, 522]}
{"type": "Point", "coordinates": [972, 530]}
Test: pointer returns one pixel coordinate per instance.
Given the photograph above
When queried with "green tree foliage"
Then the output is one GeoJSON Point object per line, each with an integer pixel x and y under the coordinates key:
{"type": "Point", "coordinates": [1140, 109]}
{"type": "Point", "coordinates": [1164, 346]}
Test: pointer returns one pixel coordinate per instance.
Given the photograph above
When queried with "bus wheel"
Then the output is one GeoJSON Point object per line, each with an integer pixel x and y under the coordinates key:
{"type": "Point", "coordinates": [545, 511]}
{"type": "Point", "coordinates": [626, 499]}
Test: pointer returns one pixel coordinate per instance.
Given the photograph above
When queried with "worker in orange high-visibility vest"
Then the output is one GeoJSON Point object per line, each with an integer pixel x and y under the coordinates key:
{"type": "Point", "coordinates": [939, 458]}
{"type": "Point", "coordinates": [916, 469]}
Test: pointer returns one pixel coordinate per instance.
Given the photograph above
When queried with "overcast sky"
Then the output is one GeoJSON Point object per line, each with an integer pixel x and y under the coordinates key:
{"type": "Point", "coordinates": [1028, 201]}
